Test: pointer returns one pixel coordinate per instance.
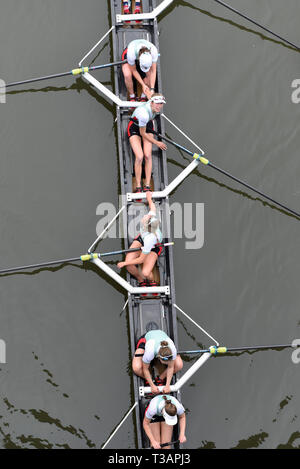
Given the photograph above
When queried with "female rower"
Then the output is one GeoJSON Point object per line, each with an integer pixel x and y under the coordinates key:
{"type": "Point", "coordinates": [137, 8]}
{"type": "Point", "coordinates": [148, 240]}
{"type": "Point", "coordinates": [141, 64]}
{"type": "Point", "coordinates": [160, 417]}
{"type": "Point", "coordinates": [156, 344]}
{"type": "Point", "coordinates": [140, 134]}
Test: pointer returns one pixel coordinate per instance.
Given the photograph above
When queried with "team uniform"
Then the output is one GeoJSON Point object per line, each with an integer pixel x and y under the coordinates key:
{"type": "Point", "coordinates": [149, 240]}
{"type": "Point", "coordinates": [151, 343]}
{"type": "Point", "coordinates": [154, 410]}
{"type": "Point", "coordinates": [142, 117]}
{"type": "Point", "coordinates": [131, 53]}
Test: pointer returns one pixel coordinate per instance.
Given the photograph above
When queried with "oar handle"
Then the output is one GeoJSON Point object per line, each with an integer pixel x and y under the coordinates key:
{"type": "Point", "coordinates": [163, 445]}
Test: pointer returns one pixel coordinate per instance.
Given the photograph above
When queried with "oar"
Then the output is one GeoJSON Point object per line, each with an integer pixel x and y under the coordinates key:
{"type": "Point", "coordinates": [222, 350]}
{"type": "Point", "coordinates": [163, 445]}
{"type": "Point", "coordinates": [206, 162]}
{"type": "Point", "coordinates": [256, 23]}
{"type": "Point", "coordinates": [74, 72]}
{"type": "Point", "coordinates": [85, 257]}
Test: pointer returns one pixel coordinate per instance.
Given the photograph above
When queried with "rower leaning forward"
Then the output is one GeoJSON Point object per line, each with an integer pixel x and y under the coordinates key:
{"type": "Point", "coordinates": [141, 65]}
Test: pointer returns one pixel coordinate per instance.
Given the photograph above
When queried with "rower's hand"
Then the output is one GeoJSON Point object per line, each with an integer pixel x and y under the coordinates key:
{"type": "Point", "coordinates": [147, 91]}
{"type": "Point", "coordinates": [154, 389]}
{"type": "Point", "coordinates": [162, 146]}
{"type": "Point", "coordinates": [182, 439]}
{"type": "Point", "coordinates": [166, 390]}
{"type": "Point", "coordinates": [155, 444]}
{"type": "Point", "coordinates": [120, 265]}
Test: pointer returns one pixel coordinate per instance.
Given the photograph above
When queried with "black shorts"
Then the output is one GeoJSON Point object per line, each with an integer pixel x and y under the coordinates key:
{"type": "Point", "coordinates": [156, 249]}
{"type": "Point", "coordinates": [156, 418]}
{"type": "Point", "coordinates": [141, 342]}
{"type": "Point", "coordinates": [137, 64]}
{"type": "Point", "coordinates": [133, 128]}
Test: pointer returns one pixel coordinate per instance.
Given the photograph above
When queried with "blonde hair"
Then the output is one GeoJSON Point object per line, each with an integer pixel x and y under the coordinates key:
{"type": "Point", "coordinates": [153, 225]}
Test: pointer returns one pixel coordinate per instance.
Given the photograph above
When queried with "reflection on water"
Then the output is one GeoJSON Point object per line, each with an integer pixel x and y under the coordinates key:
{"type": "Point", "coordinates": [229, 89]}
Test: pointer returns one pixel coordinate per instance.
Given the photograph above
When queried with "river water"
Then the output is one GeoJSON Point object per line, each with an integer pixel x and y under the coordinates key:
{"type": "Point", "coordinates": [66, 382]}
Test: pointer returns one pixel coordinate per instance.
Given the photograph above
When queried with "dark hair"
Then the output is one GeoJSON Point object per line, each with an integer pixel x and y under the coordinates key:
{"type": "Point", "coordinates": [170, 408]}
{"type": "Point", "coordinates": [164, 350]}
{"type": "Point", "coordinates": [143, 50]}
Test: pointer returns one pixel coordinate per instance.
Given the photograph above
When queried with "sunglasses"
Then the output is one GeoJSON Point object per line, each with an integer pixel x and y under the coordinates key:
{"type": "Point", "coordinates": [165, 359]}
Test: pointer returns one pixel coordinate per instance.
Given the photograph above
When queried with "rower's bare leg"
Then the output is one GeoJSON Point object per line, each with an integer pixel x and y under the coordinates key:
{"type": "Point", "coordinates": [136, 145]}
{"type": "Point", "coordinates": [132, 269]}
{"type": "Point", "coordinates": [148, 160]}
{"type": "Point", "coordinates": [128, 78]}
{"type": "Point", "coordinates": [137, 364]}
{"type": "Point", "coordinates": [149, 264]}
{"type": "Point", "coordinates": [166, 434]}
{"type": "Point", "coordinates": [156, 432]}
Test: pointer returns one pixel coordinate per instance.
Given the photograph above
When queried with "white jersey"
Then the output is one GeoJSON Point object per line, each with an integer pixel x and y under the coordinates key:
{"type": "Point", "coordinates": [158, 403]}
{"type": "Point", "coordinates": [150, 239]}
{"type": "Point", "coordinates": [143, 114]}
{"type": "Point", "coordinates": [152, 346]}
{"type": "Point", "coordinates": [134, 48]}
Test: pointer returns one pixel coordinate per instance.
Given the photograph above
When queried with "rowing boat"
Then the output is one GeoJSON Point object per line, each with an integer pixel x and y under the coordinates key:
{"type": "Point", "coordinates": [145, 313]}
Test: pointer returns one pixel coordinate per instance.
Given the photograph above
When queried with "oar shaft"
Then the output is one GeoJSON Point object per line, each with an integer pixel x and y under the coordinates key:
{"type": "Point", "coordinates": [173, 143]}
{"type": "Point", "coordinates": [83, 258]}
{"type": "Point", "coordinates": [243, 183]}
{"type": "Point", "coordinates": [258, 347]}
{"type": "Point", "coordinates": [33, 80]}
{"type": "Point", "coordinates": [254, 189]}
{"type": "Point", "coordinates": [164, 445]}
{"type": "Point", "coordinates": [123, 251]}
{"type": "Point", "coordinates": [112, 64]}
{"type": "Point", "coordinates": [256, 23]}
{"type": "Point", "coordinates": [223, 350]}
{"type": "Point", "coordinates": [35, 266]}
{"type": "Point", "coordinates": [76, 71]}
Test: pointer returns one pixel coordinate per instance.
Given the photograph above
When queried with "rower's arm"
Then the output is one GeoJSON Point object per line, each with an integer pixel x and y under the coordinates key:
{"type": "Point", "coordinates": [182, 425]}
{"type": "Point", "coordinates": [136, 75]}
{"type": "Point", "coordinates": [147, 427]}
{"type": "Point", "coordinates": [149, 137]}
{"type": "Point", "coordinates": [152, 72]}
{"type": "Point", "coordinates": [170, 372]}
{"type": "Point", "coordinates": [137, 260]}
{"type": "Point", "coordinates": [150, 202]}
{"type": "Point", "coordinates": [147, 374]}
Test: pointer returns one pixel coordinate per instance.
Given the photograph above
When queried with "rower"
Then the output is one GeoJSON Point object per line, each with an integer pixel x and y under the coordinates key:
{"type": "Point", "coordinates": [137, 8]}
{"type": "Point", "coordinates": [140, 133]}
{"type": "Point", "coordinates": [156, 344]}
{"type": "Point", "coordinates": [149, 240]}
{"type": "Point", "coordinates": [142, 58]}
{"type": "Point", "coordinates": [160, 417]}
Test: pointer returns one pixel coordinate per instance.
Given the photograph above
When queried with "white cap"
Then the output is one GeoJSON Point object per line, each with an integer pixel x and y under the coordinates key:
{"type": "Point", "coordinates": [145, 62]}
{"type": "Point", "coordinates": [169, 419]}
{"type": "Point", "coordinates": [160, 99]}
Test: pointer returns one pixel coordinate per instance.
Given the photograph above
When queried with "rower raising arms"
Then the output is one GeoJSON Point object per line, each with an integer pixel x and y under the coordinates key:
{"type": "Point", "coordinates": [140, 134]}
{"type": "Point", "coordinates": [160, 416]}
{"type": "Point", "coordinates": [156, 344]}
{"type": "Point", "coordinates": [147, 240]}
{"type": "Point", "coordinates": [142, 57]}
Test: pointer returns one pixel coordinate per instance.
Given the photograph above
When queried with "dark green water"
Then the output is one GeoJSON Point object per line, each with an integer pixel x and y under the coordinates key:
{"type": "Point", "coordinates": [66, 382]}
